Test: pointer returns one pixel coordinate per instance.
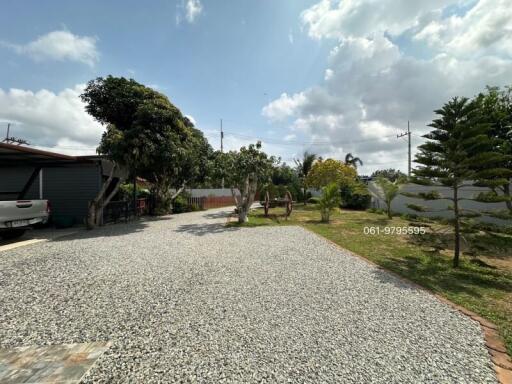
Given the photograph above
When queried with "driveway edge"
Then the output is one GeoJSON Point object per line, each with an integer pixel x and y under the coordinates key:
{"type": "Point", "coordinates": [502, 363]}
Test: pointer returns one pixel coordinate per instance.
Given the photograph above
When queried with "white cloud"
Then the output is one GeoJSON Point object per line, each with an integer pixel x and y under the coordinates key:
{"type": "Point", "coordinates": [283, 107]}
{"type": "Point", "coordinates": [188, 10]}
{"type": "Point", "coordinates": [372, 87]}
{"type": "Point", "coordinates": [51, 120]}
{"type": "Point", "coordinates": [60, 46]}
{"type": "Point", "coordinates": [339, 19]}
{"type": "Point", "coordinates": [194, 9]}
{"type": "Point", "coordinates": [486, 27]}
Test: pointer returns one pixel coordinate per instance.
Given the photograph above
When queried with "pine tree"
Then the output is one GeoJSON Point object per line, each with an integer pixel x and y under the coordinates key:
{"type": "Point", "coordinates": [458, 154]}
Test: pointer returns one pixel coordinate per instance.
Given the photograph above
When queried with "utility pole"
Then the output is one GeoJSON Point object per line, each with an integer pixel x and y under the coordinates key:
{"type": "Point", "coordinates": [221, 138]}
{"type": "Point", "coordinates": [221, 147]}
{"type": "Point", "coordinates": [8, 129]}
{"type": "Point", "coordinates": [408, 134]}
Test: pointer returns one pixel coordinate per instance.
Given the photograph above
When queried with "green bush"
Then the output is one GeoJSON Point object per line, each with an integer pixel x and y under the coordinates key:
{"type": "Point", "coordinates": [355, 196]}
{"type": "Point", "coordinates": [126, 192]}
{"type": "Point", "coordinates": [180, 204]}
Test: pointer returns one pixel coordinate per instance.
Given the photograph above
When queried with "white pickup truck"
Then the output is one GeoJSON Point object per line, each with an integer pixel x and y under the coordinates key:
{"type": "Point", "coordinates": [19, 215]}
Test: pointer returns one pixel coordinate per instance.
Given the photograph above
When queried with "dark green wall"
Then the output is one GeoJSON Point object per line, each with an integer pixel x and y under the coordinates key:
{"type": "Point", "coordinates": [69, 189]}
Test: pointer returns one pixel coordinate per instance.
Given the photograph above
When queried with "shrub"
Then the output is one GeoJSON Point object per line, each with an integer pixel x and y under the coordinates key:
{"type": "Point", "coordinates": [180, 204]}
{"type": "Point", "coordinates": [355, 196]}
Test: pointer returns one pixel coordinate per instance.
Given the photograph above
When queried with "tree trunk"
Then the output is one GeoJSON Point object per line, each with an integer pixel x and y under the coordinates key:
{"type": "Point", "coordinates": [506, 192]}
{"type": "Point", "coordinates": [96, 206]}
{"type": "Point", "coordinates": [305, 195]}
{"type": "Point", "coordinates": [388, 209]}
{"type": "Point", "coordinates": [456, 253]}
{"type": "Point", "coordinates": [246, 199]}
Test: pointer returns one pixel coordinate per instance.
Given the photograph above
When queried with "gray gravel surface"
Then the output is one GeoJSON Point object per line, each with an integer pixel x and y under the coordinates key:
{"type": "Point", "coordinates": [185, 299]}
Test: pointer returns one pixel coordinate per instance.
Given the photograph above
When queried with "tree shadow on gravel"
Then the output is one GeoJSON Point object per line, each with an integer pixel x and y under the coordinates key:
{"type": "Point", "coordinates": [205, 229]}
{"type": "Point", "coordinates": [217, 215]}
{"type": "Point", "coordinates": [110, 230]}
{"type": "Point", "coordinates": [438, 275]}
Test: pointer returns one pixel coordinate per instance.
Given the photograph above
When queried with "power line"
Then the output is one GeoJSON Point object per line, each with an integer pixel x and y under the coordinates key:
{"type": "Point", "coordinates": [305, 143]}
{"type": "Point", "coordinates": [408, 134]}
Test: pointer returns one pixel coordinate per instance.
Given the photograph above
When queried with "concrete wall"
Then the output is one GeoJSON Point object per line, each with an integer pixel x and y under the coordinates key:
{"type": "Point", "coordinates": [210, 192]}
{"type": "Point", "coordinates": [399, 204]}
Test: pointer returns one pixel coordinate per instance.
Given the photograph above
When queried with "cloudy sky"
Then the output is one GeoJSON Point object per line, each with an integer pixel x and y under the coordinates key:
{"type": "Point", "coordinates": [326, 76]}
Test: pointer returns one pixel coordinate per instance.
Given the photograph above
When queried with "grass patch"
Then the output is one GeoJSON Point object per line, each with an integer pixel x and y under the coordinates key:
{"type": "Point", "coordinates": [482, 283]}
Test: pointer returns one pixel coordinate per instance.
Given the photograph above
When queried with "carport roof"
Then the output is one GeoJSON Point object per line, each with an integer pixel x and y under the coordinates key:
{"type": "Point", "coordinates": [11, 154]}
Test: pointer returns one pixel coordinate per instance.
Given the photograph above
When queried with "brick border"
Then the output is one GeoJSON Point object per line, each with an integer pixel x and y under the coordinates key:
{"type": "Point", "coordinates": [501, 361]}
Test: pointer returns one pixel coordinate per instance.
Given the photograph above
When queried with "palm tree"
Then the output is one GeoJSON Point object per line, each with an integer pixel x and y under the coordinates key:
{"type": "Point", "coordinates": [351, 160]}
{"type": "Point", "coordinates": [388, 191]}
{"type": "Point", "coordinates": [330, 200]}
{"type": "Point", "coordinates": [303, 168]}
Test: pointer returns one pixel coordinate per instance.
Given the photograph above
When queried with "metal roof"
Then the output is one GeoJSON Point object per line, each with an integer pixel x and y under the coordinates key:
{"type": "Point", "coordinates": [14, 155]}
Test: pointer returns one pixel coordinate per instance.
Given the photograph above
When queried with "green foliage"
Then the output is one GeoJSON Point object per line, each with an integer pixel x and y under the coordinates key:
{"type": "Point", "coordinates": [391, 174]}
{"type": "Point", "coordinates": [245, 170]}
{"type": "Point", "coordinates": [417, 208]}
{"type": "Point", "coordinates": [126, 192]}
{"type": "Point", "coordinates": [325, 172]}
{"type": "Point", "coordinates": [430, 195]}
{"type": "Point", "coordinates": [329, 200]}
{"type": "Point", "coordinates": [283, 179]}
{"type": "Point", "coordinates": [147, 134]}
{"type": "Point", "coordinates": [180, 204]}
{"type": "Point", "coordinates": [352, 161]}
{"type": "Point", "coordinates": [458, 150]}
{"type": "Point", "coordinates": [388, 191]}
{"type": "Point", "coordinates": [314, 200]}
{"type": "Point", "coordinates": [496, 105]}
{"type": "Point", "coordinates": [355, 196]}
{"type": "Point", "coordinates": [491, 197]}
{"type": "Point", "coordinates": [303, 168]}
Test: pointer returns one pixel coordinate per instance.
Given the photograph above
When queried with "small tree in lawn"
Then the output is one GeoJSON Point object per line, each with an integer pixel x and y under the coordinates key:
{"type": "Point", "coordinates": [457, 155]}
{"type": "Point", "coordinates": [329, 201]}
{"type": "Point", "coordinates": [243, 170]}
{"type": "Point", "coordinates": [388, 191]}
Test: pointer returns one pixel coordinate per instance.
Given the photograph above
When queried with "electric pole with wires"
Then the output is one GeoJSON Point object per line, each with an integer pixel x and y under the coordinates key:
{"type": "Point", "coordinates": [408, 134]}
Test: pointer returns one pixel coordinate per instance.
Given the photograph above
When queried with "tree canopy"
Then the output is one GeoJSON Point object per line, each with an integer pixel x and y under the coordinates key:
{"type": "Point", "coordinates": [243, 170]}
{"type": "Point", "coordinates": [458, 154]}
{"type": "Point", "coordinates": [325, 172]}
{"type": "Point", "coordinates": [147, 134]}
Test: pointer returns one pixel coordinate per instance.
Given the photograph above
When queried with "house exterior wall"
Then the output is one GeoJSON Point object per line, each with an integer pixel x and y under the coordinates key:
{"type": "Point", "coordinates": [69, 189]}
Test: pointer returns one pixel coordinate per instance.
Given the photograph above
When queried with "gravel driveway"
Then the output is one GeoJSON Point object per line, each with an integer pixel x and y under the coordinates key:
{"type": "Point", "coordinates": [185, 299]}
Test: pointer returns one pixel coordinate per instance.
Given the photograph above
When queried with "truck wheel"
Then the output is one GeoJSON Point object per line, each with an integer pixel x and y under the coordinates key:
{"type": "Point", "coordinates": [12, 234]}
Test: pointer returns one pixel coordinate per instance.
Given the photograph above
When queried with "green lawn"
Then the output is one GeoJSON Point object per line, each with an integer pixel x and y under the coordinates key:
{"type": "Point", "coordinates": [483, 285]}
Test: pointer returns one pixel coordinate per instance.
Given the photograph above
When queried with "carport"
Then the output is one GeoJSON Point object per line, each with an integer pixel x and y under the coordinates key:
{"type": "Point", "coordinates": [69, 182]}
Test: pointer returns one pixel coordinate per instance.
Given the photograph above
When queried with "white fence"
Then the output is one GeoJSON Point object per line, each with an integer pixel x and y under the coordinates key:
{"type": "Point", "coordinates": [399, 204]}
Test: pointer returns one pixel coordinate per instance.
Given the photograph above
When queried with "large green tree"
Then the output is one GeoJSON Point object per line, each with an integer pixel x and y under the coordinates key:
{"type": "Point", "coordinates": [458, 154]}
{"type": "Point", "coordinates": [146, 134]}
{"type": "Point", "coordinates": [496, 107]}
